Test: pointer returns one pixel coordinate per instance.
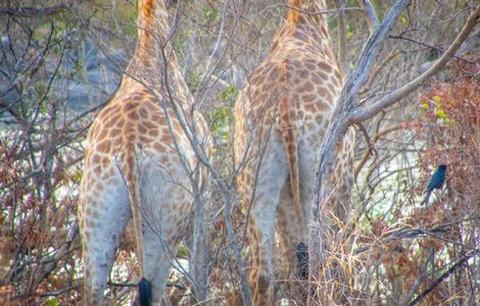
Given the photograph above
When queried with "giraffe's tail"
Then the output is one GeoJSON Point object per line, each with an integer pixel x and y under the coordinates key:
{"type": "Point", "coordinates": [290, 141]}
{"type": "Point", "coordinates": [145, 292]}
{"type": "Point", "coordinates": [289, 133]}
{"type": "Point", "coordinates": [287, 110]}
{"type": "Point", "coordinates": [130, 173]}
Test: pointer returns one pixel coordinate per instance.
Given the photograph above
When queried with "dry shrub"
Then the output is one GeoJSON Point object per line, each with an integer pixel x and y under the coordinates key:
{"type": "Point", "coordinates": [37, 233]}
{"type": "Point", "coordinates": [434, 237]}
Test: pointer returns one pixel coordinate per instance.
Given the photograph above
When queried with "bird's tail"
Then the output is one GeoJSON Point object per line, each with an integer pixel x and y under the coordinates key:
{"type": "Point", "coordinates": [145, 292]}
{"type": "Point", "coordinates": [427, 197]}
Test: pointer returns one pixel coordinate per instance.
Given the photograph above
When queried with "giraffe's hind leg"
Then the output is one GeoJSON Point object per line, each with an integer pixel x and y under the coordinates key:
{"type": "Point", "coordinates": [158, 256]}
{"type": "Point", "coordinates": [103, 216]}
{"type": "Point", "coordinates": [292, 253]}
{"type": "Point", "coordinates": [271, 179]}
{"type": "Point", "coordinates": [166, 205]}
{"type": "Point", "coordinates": [290, 229]}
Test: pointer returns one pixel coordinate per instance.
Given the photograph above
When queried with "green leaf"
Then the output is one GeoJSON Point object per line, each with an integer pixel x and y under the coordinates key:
{"type": "Point", "coordinates": [193, 80]}
{"type": "Point", "coordinates": [424, 105]}
{"type": "Point", "coordinates": [210, 14]}
{"type": "Point", "coordinates": [221, 121]}
{"type": "Point", "coordinates": [52, 302]}
{"type": "Point", "coordinates": [349, 32]}
{"type": "Point", "coordinates": [229, 94]}
{"type": "Point", "coordinates": [182, 251]}
{"type": "Point", "coordinates": [440, 114]}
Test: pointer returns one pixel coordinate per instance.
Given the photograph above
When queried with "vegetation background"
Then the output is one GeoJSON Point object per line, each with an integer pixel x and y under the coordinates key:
{"type": "Point", "coordinates": [61, 61]}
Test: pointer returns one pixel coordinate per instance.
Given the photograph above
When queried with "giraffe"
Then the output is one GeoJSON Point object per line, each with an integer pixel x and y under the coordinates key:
{"type": "Point", "coordinates": [139, 161]}
{"type": "Point", "coordinates": [280, 119]}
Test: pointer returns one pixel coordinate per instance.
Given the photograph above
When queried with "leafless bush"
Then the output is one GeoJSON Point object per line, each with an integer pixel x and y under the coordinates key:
{"type": "Point", "coordinates": [389, 251]}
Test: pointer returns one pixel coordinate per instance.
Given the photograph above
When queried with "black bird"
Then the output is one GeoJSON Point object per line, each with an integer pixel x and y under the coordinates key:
{"type": "Point", "coordinates": [436, 182]}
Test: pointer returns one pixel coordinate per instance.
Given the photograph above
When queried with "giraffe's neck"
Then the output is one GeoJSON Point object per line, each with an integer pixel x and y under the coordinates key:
{"type": "Point", "coordinates": [152, 42]}
{"type": "Point", "coordinates": [306, 5]}
{"type": "Point", "coordinates": [306, 14]}
{"type": "Point", "coordinates": [305, 22]}
{"type": "Point", "coordinates": [154, 62]}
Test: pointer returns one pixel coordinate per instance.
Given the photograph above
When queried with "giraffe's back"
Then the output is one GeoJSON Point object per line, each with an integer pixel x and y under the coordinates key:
{"type": "Point", "coordinates": [133, 133]}
{"type": "Point", "coordinates": [134, 117]}
{"type": "Point", "coordinates": [304, 82]}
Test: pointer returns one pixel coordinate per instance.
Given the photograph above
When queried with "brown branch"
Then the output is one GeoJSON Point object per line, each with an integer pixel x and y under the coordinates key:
{"type": "Point", "coordinates": [364, 113]}
{"type": "Point", "coordinates": [444, 276]}
{"type": "Point", "coordinates": [370, 150]}
{"type": "Point", "coordinates": [314, 13]}
{"type": "Point", "coordinates": [401, 37]}
{"type": "Point", "coordinates": [75, 285]}
{"type": "Point", "coordinates": [50, 263]}
{"type": "Point", "coordinates": [342, 44]}
{"type": "Point", "coordinates": [33, 12]}
{"type": "Point", "coordinates": [414, 233]}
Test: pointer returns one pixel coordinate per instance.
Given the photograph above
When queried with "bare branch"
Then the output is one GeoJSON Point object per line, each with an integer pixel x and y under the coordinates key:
{"type": "Point", "coordinates": [372, 48]}
{"type": "Point", "coordinates": [369, 10]}
{"type": "Point", "coordinates": [313, 13]}
{"type": "Point", "coordinates": [336, 131]}
{"type": "Point", "coordinates": [342, 45]}
{"type": "Point", "coordinates": [33, 12]}
{"type": "Point", "coordinates": [402, 37]}
{"type": "Point", "coordinates": [346, 101]}
{"type": "Point", "coordinates": [445, 275]}
{"type": "Point", "coordinates": [364, 113]}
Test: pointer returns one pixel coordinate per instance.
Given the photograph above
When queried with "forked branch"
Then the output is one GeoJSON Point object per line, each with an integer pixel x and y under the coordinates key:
{"type": "Point", "coordinates": [348, 112]}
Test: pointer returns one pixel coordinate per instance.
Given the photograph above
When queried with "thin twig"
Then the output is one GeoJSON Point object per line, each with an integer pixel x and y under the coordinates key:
{"type": "Point", "coordinates": [401, 37]}
{"type": "Point", "coordinates": [33, 12]}
{"type": "Point", "coordinates": [367, 112]}
{"type": "Point", "coordinates": [372, 18]}
{"type": "Point", "coordinates": [342, 44]}
{"type": "Point", "coordinates": [444, 276]}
